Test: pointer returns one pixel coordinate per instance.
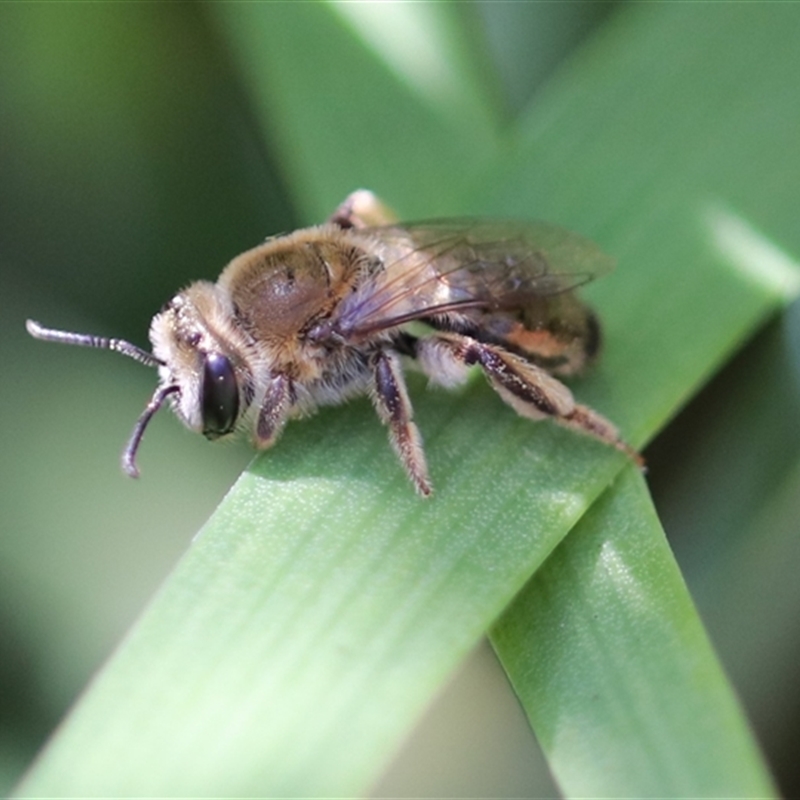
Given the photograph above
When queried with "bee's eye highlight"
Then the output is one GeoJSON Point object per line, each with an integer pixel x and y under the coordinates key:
{"type": "Point", "coordinates": [220, 398]}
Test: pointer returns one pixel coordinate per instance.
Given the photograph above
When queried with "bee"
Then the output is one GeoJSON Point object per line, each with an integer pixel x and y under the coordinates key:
{"type": "Point", "coordinates": [330, 312]}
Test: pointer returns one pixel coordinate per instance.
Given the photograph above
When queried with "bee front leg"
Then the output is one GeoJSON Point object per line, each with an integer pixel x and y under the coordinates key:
{"type": "Point", "coordinates": [528, 389]}
{"type": "Point", "coordinates": [390, 398]}
{"type": "Point", "coordinates": [274, 411]}
{"type": "Point", "coordinates": [362, 209]}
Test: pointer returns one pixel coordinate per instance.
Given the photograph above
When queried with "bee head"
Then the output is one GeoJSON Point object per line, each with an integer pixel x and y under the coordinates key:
{"type": "Point", "coordinates": [202, 371]}
{"type": "Point", "coordinates": [196, 354]}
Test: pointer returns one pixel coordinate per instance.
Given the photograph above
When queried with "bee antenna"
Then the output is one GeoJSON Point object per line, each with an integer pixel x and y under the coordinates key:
{"type": "Point", "coordinates": [156, 401]}
{"type": "Point", "coordinates": [87, 340]}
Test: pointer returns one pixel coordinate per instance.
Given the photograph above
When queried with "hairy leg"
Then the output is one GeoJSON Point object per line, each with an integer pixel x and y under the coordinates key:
{"type": "Point", "coordinates": [274, 412]}
{"type": "Point", "coordinates": [528, 389]}
{"type": "Point", "coordinates": [391, 401]}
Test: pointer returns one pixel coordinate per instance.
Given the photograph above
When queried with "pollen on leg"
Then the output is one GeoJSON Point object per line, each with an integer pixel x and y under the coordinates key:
{"type": "Point", "coordinates": [441, 365]}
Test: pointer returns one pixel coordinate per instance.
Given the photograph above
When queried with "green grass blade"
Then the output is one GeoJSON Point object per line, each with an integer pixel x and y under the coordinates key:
{"type": "Point", "coordinates": [324, 604]}
{"type": "Point", "coordinates": [347, 110]}
{"type": "Point", "coordinates": [613, 666]}
{"type": "Point", "coordinates": [752, 589]}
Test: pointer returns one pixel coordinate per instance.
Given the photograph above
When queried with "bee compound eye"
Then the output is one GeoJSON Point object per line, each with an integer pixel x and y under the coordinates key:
{"type": "Point", "coordinates": [220, 398]}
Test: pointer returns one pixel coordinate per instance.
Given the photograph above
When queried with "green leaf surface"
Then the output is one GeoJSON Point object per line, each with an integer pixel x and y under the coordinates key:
{"type": "Point", "coordinates": [347, 102]}
{"type": "Point", "coordinates": [609, 658]}
{"type": "Point", "coordinates": [324, 604]}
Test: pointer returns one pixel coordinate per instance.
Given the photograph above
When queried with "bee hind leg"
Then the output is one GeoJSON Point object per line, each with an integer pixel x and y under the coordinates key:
{"type": "Point", "coordinates": [529, 390]}
{"type": "Point", "coordinates": [390, 398]}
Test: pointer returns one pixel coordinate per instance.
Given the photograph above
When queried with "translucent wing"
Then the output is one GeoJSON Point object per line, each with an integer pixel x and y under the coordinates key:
{"type": "Point", "coordinates": [471, 267]}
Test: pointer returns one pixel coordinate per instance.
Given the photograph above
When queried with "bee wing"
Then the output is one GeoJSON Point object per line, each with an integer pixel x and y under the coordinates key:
{"type": "Point", "coordinates": [449, 266]}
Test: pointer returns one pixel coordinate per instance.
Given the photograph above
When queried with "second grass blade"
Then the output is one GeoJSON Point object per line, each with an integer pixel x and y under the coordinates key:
{"type": "Point", "coordinates": [615, 671]}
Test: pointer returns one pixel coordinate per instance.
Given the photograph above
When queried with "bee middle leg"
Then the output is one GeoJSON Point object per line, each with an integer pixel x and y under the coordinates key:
{"type": "Point", "coordinates": [362, 209]}
{"type": "Point", "coordinates": [529, 390]}
{"type": "Point", "coordinates": [390, 398]}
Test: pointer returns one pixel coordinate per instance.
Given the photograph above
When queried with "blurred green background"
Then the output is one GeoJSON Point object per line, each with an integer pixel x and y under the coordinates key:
{"type": "Point", "coordinates": [131, 162]}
